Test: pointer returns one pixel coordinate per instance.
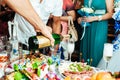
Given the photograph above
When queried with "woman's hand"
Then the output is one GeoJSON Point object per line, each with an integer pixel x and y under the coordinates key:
{"type": "Point", "coordinates": [79, 20]}
{"type": "Point", "coordinates": [85, 19]}
{"type": "Point", "coordinates": [90, 18]}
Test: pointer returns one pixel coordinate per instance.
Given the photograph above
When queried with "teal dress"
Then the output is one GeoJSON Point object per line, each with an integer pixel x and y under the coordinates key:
{"type": "Point", "coordinates": [92, 44]}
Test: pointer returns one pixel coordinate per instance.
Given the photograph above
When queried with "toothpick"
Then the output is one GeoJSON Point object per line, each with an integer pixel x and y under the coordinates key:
{"type": "Point", "coordinates": [80, 57]}
{"type": "Point", "coordinates": [91, 61]}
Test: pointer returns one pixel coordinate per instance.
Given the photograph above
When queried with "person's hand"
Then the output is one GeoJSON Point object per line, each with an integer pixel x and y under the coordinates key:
{"type": "Point", "coordinates": [51, 39]}
{"type": "Point", "coordinates": [66, 37]}
{"type": "Point", "coordinates": [49, 29]}
{"type": "Point", "coordinates": [88, 19]}
{"type": "Point", "coordinates": [79, 20]}
{"type": "Point", "coordinates": [50, 36]}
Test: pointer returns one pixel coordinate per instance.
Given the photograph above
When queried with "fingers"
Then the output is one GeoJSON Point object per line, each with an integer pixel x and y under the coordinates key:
{"type": "Point", "coordinates": [51, 39]}
{"type": "Point", "coordinates": [79, 20]}
{"type": "Point", "coordinates": [52, 42]}
{"type": "Point", "coordinates": [49, 29]}
{"type": "Point", "coordinates": [88, 19]}
{"type": "Point", "coordinates": [66, 37]}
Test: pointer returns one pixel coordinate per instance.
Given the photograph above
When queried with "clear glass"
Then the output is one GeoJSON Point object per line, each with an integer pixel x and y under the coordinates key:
{"type": "Point", "coordinates": [8, 50]}
{"type": "Point", "coordinates": [107, 53]}
{"type": "Point", "coordinates": [3, 41]}
{"type": "Point", "coordinates": [70, 47]}
{"type": "Point", "coordinates": [56, 54]}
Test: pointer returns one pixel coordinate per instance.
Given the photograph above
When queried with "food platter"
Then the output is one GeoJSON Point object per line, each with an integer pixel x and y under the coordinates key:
{"type": "Point", "coordinates": [75, 69]}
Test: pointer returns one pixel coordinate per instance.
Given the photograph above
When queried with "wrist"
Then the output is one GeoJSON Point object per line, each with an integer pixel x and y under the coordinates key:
{"type": "Point", "coordinates": [69, 17]}
{"type": "Point", "coordinates": [99, 18]}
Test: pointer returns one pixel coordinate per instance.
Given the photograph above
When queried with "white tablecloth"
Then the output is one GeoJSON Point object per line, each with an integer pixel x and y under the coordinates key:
{"type": "Point", "coordinates": [113, 65]}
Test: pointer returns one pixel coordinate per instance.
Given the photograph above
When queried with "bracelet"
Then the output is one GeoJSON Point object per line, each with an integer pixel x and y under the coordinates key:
{"type": "Point", "coordinates": [99, 18]}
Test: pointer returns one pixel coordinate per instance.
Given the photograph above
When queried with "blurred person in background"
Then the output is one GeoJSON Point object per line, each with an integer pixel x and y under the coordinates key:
{"type": "Point", "coordinates": [95, 36]}
{"type": "Point", "coordinates": [68, 11]}
{"type": "Point", "coordinates": [6, 14]}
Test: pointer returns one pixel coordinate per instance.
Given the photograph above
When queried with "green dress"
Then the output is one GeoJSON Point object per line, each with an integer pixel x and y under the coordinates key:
{"type": "Point", "coordinates": [92, 44]}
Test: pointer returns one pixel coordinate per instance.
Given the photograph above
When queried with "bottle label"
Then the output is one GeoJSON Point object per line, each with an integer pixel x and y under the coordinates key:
{"type": "Point", "coordinates": [43, 41]}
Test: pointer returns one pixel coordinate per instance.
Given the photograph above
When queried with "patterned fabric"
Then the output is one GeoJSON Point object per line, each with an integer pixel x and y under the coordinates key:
{"type": "Point", "coordinates": [116, 45]}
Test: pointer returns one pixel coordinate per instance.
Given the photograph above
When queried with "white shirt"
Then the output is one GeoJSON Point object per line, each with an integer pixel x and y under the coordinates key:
{"type": "Point", "coordinates": [43, 9]}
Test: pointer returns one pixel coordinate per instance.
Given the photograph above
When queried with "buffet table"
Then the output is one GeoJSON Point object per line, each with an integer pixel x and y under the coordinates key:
{"type": "Point", "coordinates": [38, 66]}
{"type": "Point", "coordinates": [50, 67]}
{"type": "Point", "coordinates": [15, 59]}
{"type": "Point", "coordinates": [4, 60]}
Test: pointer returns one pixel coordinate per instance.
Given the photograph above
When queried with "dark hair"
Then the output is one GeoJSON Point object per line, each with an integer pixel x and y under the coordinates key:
{"type": "Point", "coordinates": [6, 14]}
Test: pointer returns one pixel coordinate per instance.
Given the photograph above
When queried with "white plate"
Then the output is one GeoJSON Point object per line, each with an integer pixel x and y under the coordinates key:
{"type": "Point", "coordinates": [64, 66]}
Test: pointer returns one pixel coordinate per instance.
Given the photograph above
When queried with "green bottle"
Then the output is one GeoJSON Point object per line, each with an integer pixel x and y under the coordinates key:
{"type": "Point", "coordinates": [39, 41]}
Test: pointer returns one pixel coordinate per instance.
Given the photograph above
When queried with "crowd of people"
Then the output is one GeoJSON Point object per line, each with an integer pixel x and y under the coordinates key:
{"type": "Point", "coordinates": [33, 15]}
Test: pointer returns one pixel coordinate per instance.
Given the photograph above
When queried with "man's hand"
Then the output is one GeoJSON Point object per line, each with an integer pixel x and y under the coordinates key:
{"type": "Point", "coordinates": [51, 39]}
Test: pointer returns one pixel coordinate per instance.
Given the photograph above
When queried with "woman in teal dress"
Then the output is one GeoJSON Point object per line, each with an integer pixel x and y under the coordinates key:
{"type": "Point", "coordinates": [95, 36]}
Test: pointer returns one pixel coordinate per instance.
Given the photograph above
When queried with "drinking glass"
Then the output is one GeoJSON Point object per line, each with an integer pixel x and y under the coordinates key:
{"type": "Point", "coordinates": [8, 50]}
{"type": "Point", "coordinates": [107, 52]}
{"type": "Point", "coordinates": [70, 47]}
{"type": "Point", "coordinates": [3, 41]}
{"type": "Point", "coordinates": [55, 52]}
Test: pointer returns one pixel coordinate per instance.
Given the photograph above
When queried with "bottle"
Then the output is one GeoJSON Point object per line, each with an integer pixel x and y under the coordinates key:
{"type": "Point", "coordinates": [39, 41]}
{"type": "Point", "coordinates": [13, 37]}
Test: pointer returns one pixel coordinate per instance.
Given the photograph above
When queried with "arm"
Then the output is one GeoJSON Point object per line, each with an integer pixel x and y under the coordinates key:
{"type": "Point", "coordinates": [108, 15]}
{"type": "Point", "coordinates": [56, 25]}
{"type": "Point", "coordinates": [56, 17]}
{"type": "Point", "coordinates": [22, 7]}
{"type": "Point", "coordinates": [110, 6]}
{"type": "Point", "coordinates": [70, 13]}
{"type": "Point", "coordinates": [68, 10]}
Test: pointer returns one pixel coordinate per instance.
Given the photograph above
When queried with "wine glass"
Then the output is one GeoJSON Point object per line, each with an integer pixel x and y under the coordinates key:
{"type": "Point", "coordinates": [70, 47]}
{"type": "Point", "coordinates": [108, 52]}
